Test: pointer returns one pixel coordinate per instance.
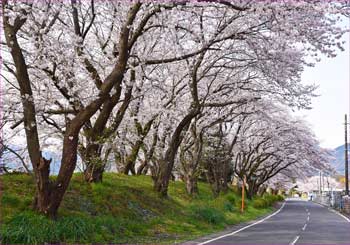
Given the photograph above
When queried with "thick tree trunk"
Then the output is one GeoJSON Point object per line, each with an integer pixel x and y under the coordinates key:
{"type": "Point", "coordinates": [252, 190]}
{"type": "Point", "coordinates": [131, 159]}
{"type": "Point", "coordinates": [215, 187]}
{"type": "Point", "coordinates": [68, 163]}
{"type": "Point", "coordinates": [191, 184]}
{"type": "Point", "coordinates": [49, 194]}
{"type": "Point", "coordinates": [129, 167]}
{"type": "Point", "coordinates": [162, 181]}
{"type": "Point", "coordinates": [94, 164]}
{"type": "Point", "coordinates": [212, 180]}
{"type": "Point", "coordinates": [44, 187]}
{"type": "Point", "coordinates": [143, 168]}
{"type": "Point", "coordinates": [262, 190]}
{"type": "Point", "coordinates": [93, 173]}
{"type": "Point", "coordinates": [249, 194]}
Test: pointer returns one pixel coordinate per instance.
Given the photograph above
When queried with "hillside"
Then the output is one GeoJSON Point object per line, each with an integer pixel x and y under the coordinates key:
{"type": "Point", "coordinates": [122, 209]}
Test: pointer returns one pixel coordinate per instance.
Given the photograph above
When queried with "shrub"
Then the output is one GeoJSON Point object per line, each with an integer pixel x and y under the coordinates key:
{"type": "Point", "coordinates": [231, 198]}
{"type": "Point", "coordinates": [260, 203]}
{"type": "Point", "coordinates": [271, 199]}
{"type": "Point", "coordinates": [280, 198]}
{"type": "Point", "coordinates": [208, 214]}
{"type": "Point", "coordinates": [228, 206]}
{"type": "Point", "coordinates": [238, 203]}
{"type": "Point", "coordinates": [267, 200]}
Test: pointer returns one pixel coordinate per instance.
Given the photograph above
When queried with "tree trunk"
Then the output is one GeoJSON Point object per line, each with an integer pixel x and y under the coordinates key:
{"type": "Point", "coordinates": [252, 190]}
{"type": "Point", "coordinates": [215, 187]}
{"type": "Point", "coordinates": [262, 190]}
{"type": "Point", "coordinates": [142, 169]}
{"type": "Point", "coordinates": [131, 159]}
{"type": "Point", "coordinates": [94, 163]}
{"type": "Point", "coordinates": [162, 182]}
{"type": "Point", "coordinates": [191, 185]}
{"type": "Point", "coordinates": [93, 173]}
{"type": "Point", "coordinates": [49, 194]}
{"type": "Point", "coordinates": [68, 163]}
{"type": "Point", "coordinates": [212, 180]}
{"type": "Point", "coordinates": [44, 186]}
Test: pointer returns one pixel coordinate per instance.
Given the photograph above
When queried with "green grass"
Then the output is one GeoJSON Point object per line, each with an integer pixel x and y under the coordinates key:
{"type": "Point", "coordinates": [121, 209]}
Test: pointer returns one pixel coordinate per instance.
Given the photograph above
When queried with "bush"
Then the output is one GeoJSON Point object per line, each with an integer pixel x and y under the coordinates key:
{"type": "Point", "coordinates": [231, 198]}
{"type": "Point", "coordinates": [280, 198]}
{"type": "Point", "coordinates": [271, 199]}
{"type": "Point", "coordinates": [260, 203]}
{"type": "Point", "coordinates": [267, 200]}
{"type": "Point", "coordinates": [238, 203]}
{"type": "Point", "coordinates": [228, 206]}
{"type": "Point", "coordinates": [208, 214]}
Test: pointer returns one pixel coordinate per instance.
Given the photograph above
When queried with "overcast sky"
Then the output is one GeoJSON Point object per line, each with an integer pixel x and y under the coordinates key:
{"type": "Point", "coordinates": [327, 116]}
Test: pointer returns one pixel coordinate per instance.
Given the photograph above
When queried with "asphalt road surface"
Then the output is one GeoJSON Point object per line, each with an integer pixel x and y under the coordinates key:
{"type": "Point", "coordinates": [298, 222]}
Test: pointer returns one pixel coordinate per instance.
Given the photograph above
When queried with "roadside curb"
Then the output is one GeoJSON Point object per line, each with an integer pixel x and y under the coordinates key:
{"type": "Point", "coordinates": [235, 228]}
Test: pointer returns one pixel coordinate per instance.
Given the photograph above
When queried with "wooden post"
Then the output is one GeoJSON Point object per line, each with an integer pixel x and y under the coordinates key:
{"type": "Point", "coordinates": [243, 186]}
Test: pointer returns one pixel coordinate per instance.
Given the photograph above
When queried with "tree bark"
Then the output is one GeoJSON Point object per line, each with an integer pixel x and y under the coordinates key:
{"type": "Point", "coordinates": [131, 159]}
{"type": "Point", "coordinates": [44, 187]}
{"type": "Point", "coordinates": [162, 181]}
{"type": "Point", "coordinates": [191, 184]}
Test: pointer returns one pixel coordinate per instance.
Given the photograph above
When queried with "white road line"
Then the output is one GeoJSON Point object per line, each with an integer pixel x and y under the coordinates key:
{"type": "Point", "coordinates": [334, 211]}
{"type": "Point", "coordinates": [243, 228]}
{"type": "Point", "coordinates": [346, 218]}
{"type": "Point", "coordinates": [294, 241]}
{"type": "Point", "coordinates": [308, 218]}
{"type": "Point", "coordinates": [304, 227]}
{"type": "Point", "coordinates": [308, 213]}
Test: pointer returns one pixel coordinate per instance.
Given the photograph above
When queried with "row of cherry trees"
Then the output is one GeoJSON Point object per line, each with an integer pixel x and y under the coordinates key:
{"type": "Point", "coordinates": [185, 89]}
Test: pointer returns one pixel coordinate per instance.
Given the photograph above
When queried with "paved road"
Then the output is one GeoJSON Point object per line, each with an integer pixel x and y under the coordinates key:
{"type": "Point", "coordinates": [298, 222]}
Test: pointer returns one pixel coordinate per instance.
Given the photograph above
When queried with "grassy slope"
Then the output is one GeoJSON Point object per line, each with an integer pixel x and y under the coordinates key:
{"type": "Point", "coordinates": [122, 209]}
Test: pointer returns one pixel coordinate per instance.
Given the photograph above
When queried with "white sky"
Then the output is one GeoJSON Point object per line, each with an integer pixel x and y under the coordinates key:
{"type": "Point", "coordinates": [327, 116]}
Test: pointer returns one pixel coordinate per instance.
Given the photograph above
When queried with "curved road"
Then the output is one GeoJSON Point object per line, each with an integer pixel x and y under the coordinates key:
{"type": "Point", "coordinates": [297, 222]}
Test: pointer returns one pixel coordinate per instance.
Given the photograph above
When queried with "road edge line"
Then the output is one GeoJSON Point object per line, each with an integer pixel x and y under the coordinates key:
{"type": "Point", "coordinates": [334, 211]}
{"type": "Point", "coordinates": [245, 227]}
{"type": "Point", "coordinates": [340, 214]}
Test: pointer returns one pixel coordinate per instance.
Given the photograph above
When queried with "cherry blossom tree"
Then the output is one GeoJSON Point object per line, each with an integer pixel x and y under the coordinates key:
{"type": "Point", "coordinates": [58, 59]}
{"type": "Point", "coordinates": [138, 82]}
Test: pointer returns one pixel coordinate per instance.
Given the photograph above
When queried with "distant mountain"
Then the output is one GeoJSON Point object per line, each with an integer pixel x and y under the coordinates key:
{"type": "Point", "coordinates": [339, 154]}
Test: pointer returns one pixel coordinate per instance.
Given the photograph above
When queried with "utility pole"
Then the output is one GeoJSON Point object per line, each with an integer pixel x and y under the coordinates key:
{"type": "Point", "coordinates": [346, 158]}
{"type": "Point", "coordinates": [320, 182]}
